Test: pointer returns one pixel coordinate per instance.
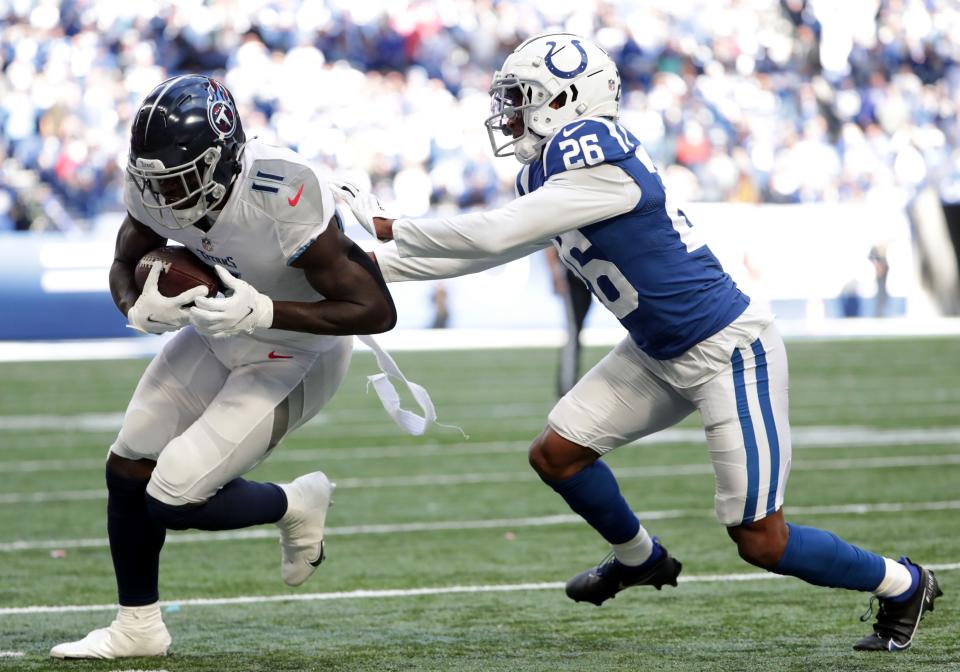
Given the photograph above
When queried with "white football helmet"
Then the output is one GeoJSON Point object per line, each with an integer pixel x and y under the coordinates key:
{"type": "Point", "coordinates": [550, 79]}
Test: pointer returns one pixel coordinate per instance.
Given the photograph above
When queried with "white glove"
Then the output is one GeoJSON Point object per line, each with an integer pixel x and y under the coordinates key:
{"type": "Point", "coordinates": [363, 204]}
{"type": "Point", "coordinates": [154, 313]}
{"type": "Point", "coordinates": [243, 311]}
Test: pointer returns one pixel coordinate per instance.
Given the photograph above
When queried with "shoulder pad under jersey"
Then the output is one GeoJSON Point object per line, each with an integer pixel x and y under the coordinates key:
{"type": "Point", "coordinates": [291, 194]}
{"type": "Point", "coordinates": [584, 143]}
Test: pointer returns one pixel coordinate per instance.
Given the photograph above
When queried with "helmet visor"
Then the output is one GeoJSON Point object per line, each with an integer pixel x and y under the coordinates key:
{"type": "Point", "coordinates": [507, 102]}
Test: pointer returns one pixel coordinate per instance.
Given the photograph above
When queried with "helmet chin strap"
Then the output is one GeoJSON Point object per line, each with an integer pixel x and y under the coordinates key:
{"type": "Point", "coordinates": [527, 150]}
{"type": "Point", "coordinates": [194, 213]}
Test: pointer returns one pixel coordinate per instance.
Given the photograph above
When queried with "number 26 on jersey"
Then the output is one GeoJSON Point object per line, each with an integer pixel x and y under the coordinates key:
{"type": "Point", "coordinates": [578, 152]}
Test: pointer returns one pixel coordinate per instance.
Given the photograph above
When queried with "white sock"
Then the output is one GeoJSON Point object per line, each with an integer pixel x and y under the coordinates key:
{"type": "Point", "coordinates": [144, 615]}
{"type": "Point", "coordinates": [896, 581]}
{"type": "Point", "coordinates": [636, 551]}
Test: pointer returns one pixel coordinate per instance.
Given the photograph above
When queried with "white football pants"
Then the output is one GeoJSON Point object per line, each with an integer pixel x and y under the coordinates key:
{"type": "Point", "coordinates": [744, 408]}
{"type": "Point", "coordinates": [210, 410]}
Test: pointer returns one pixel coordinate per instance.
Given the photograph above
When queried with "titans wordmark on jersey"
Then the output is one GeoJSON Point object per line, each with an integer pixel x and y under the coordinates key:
{"type": "Point", "coordinates": [648, 266]}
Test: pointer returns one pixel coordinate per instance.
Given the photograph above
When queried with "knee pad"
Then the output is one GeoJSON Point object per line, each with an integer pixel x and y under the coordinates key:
{"type": "Point", "coordinates": [169, 491]}
{"type": "Point", "coordinates": [183, 464]}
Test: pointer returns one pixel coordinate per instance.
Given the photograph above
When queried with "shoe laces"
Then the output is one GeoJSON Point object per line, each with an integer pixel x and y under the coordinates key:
{"type": "Point", "coordinates": [868, 614]}
{"type": "Point", "coordinates": [885, 625]}
{"type": "Point", "coordinates": [606, 563]}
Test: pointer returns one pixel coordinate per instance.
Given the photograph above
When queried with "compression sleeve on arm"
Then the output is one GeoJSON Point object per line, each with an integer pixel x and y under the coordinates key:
{"type": "Point", "coordinates": [399, 269]}
{"type": "Point", "coordinates": [567, 201]}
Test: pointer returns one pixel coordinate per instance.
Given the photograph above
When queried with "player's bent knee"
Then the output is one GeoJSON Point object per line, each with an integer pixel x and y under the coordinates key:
{"type": "Point", "coordinates": [170, 516]}
{"type": "Point", "coordinates": [555, 458]}
{"type": "Point", "coordinates": [759, 555]}
{"type": "Point", "coordinates": [761, 543]}
{"type": "Point", "coordinates": [546, 462]}
{"type": "Point", "coordinates": [134, 470]}
{"type": "Point", "coordinates": [537, 457]}
{"type": "Point", "coordinates": [189, 471]}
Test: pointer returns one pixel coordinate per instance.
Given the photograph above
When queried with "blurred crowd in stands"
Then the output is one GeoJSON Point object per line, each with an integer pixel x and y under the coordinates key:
{"type": "Point", "coordinates": [739, 100]}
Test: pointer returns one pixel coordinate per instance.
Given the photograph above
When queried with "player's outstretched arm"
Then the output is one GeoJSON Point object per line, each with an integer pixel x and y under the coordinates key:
{"type": "Point", "coordinates": [401, 269]}
{"type": "Point", "coordinates": [567, 201]}
{"type": "Point", "coordinates": [357, 298]}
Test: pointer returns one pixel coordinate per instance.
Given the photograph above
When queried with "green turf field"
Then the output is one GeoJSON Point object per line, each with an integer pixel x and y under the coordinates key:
{"type": "Point", "coordinates": [876, 460]}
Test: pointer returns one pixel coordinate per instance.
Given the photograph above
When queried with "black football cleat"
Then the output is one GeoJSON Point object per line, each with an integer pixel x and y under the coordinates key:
{"type": "Point", "coordinates": [600, 583]}
{"type": "Point", "coordinates": [897, 622]}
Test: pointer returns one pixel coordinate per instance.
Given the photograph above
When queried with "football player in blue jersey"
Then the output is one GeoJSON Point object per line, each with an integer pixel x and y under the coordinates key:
{"type": "Point", "coordinates": [695, 341]}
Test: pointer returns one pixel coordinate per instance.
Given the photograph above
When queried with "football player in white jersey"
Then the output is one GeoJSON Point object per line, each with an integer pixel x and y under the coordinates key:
{"type": "Point", "coordinates": [243, 370]}
{"type": "Point", "coordinates": [695, 341]}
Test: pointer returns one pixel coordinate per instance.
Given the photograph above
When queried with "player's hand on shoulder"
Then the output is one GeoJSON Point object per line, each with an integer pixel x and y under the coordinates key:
{"type": "Point", "coordinates": [366, 207]}
{"type": "Point", "coordinates": [154, 313]}
{"type": "Point", "coordinates": [243, 311]}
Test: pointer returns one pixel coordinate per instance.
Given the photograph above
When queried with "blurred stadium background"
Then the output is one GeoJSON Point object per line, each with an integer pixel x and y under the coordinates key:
{"type": "Point", "coordinates": [818, 141]}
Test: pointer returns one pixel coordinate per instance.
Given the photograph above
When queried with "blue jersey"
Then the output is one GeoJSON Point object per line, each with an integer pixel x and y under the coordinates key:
{"type": "Point", "coordinates": [647, 265]}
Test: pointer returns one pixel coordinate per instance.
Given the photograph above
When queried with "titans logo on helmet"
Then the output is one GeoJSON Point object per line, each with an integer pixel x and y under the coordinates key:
{"type": "Point", "coordinates": [220, 112]}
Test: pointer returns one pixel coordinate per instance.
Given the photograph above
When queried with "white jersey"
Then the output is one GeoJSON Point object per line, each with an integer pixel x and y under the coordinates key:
{"type": "Point", "coordinates": [277, 209]}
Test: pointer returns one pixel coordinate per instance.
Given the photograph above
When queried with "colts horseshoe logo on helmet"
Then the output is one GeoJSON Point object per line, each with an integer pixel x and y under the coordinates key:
{"type": "Point", "coordinates": [220, 112]}
{"type": "Point", "coordinates": [565, 74]}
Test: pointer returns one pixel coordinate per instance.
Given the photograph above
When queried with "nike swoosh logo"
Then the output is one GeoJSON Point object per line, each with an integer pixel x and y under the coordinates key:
{"type": "Point", "coordinates": [567, 132]}
{"type": "Point", "coordinates": [150, 319]}
{"type": "Point", "coordinates": [296, 199]}
{"type": "Point", "coordinates": [320, 558]}
{"type": "Point", "coordinates": [249, 311]}
{"type": "Point", "coordinates": [274, 355]}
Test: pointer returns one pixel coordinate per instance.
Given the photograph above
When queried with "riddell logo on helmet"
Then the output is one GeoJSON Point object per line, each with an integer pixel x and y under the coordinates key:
{"type": "Point", "coordinates": [220, 112]}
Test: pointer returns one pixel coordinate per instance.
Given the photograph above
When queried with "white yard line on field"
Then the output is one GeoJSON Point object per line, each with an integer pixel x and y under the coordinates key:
{"type": "Point", "coordinates": [334, 424]}
{"type": "Point", "coordinates": [653, 471]}
{"type": "Point", "coordinates": [11, 654]}
{"type": "Point", "coordinates": [81, 422]}
{"type": "Point", "coordinates": [803, 438]}
{"type": "Point", "coordinates": [404, 592]}
{"type": "Point", "coordinates": [460, 525]}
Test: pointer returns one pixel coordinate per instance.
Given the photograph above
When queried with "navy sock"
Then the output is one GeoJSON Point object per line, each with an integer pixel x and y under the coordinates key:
{"type": "Point", "coordinates": [823, 559]}
{"type": "Point", "coordinates": [238, 504]}
{"type": "Point", "coordinates": [135, 541]}
{"type": "Point", "coordinates": [593, 493]}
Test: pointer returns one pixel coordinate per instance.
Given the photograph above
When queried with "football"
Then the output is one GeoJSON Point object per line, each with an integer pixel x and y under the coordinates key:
{"type": "Point", "coordinates": [182, 270]}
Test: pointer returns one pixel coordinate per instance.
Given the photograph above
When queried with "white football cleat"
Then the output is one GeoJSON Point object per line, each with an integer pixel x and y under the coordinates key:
{"type": "Point", "coordinates": [136, 632]}
{"type": "Point", "coordinates": [301, 528]}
